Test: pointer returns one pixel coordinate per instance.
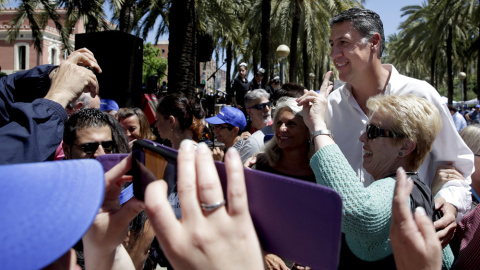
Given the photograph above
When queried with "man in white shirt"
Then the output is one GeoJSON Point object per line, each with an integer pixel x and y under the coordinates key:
{"type": "Point", "coordinates": [458, 119]}
{"type": "Point", "coordinates": [357, 41]}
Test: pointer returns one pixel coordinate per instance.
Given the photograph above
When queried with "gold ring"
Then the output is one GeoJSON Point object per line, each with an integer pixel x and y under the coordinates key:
{"type": "Point", "coordinates": [448, 176]}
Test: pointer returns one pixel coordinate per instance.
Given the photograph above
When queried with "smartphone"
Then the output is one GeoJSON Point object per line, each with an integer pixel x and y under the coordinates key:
{"type": "Point", "coordinates": [151, 163]}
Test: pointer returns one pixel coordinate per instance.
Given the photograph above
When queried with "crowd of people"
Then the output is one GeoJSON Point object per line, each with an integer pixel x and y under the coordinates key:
{"type": "Point", "coordinates": [403, 162]}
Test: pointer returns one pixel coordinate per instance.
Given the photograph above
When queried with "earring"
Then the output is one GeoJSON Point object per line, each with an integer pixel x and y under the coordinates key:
{"type": "Point", "coordinates": [400, 154]}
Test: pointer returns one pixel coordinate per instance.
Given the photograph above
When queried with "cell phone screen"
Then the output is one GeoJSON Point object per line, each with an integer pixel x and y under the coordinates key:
{"type": "Point", "coordinates": [149, 164]}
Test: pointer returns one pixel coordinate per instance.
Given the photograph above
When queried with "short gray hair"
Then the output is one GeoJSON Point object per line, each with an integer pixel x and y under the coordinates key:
{"type": "Point", "coordinates": [253, 95]}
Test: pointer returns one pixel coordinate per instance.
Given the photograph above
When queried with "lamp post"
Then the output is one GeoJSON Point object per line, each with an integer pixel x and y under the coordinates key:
{"type": "Point", "coordinates": [461, 76]}
{"type": "Point", "coordinates": [312, 78]}
{"type": "Point", "coordinates": [283, 51]}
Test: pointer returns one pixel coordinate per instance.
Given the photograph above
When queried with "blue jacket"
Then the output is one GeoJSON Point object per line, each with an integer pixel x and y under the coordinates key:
{"type": "Point", "coordinates": [31, 127]}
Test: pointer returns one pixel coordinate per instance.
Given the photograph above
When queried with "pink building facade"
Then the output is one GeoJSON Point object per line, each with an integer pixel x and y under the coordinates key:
{"type": "Point", "coordinates": [21, 54]}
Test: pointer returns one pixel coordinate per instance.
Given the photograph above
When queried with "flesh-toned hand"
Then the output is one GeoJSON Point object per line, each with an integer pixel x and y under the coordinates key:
{"type": "Point", "coordinates": [223, 238]}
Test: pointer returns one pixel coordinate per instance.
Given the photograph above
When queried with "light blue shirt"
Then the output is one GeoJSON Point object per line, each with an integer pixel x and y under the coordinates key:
{"type": "Point", "coordinates": [459, 121]}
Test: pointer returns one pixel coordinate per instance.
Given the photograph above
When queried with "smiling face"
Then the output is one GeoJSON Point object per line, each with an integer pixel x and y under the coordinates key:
{"type": "Point", "coordinates": [131, 125]}
{"type": "Point", "coordinates": [380, 155]}
{"type": "Point", "coordinates": [350, 52]}
{"type": "Point", "coordinates": [290, 130]}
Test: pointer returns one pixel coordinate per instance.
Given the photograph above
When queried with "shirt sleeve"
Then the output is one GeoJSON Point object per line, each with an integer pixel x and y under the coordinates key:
{"type": "Point", "coordinates": [29, 131]}
{"type": "Point", "coordinates": [450, 147]}
{"type": "Point", "coordinates": [366, 211]}
{"type": "Point", "coordinates": [249, 148]}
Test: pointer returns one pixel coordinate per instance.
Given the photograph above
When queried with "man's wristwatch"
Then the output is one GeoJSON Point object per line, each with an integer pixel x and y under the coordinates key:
{"type": "Point", "coordinates": [321, 132]}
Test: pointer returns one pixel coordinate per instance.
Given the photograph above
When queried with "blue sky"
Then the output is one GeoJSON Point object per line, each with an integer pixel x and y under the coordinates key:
{"type": "Point", "coordinates": [389, 11]}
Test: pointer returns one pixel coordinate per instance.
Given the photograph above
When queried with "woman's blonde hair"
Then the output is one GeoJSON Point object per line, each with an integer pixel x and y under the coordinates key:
{"type": "Point", "coordinates": [272, 153]}
{"type": "Point", "coordinates": [410, 117]}
{"type": "Point", "coordinates": [471, 137]}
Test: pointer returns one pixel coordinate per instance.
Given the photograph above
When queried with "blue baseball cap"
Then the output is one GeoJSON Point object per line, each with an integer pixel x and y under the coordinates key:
{"type": "Point", "coordinates": [229, 115]}
{"type": "Point", "coordinates": [108, 104]}
{"type": "Point", "coordinates": [46, 208]}
{"type": "Point", "coordinates": [477, 106]}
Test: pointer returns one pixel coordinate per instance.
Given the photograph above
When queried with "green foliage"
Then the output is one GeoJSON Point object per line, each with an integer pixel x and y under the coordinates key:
{"type": "Point", "coordinates": [153, 64]}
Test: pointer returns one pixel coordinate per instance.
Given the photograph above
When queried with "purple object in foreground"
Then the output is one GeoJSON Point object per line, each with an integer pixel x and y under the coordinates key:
{"type": "Point", "coordinates": [294, 219]}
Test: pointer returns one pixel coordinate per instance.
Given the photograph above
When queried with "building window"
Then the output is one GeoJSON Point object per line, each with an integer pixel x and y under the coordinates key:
{"type": "Point", "coordinates": [21, 56]}
{"type": "Point", "coordinates": [163, 50]}
{"type": "Point", "coordinates": [66, 53]}
{"type": "Point", "coordinates": [53, 56]}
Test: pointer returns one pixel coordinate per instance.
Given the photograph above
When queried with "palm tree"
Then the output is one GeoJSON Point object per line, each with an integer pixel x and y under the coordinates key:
{"type": "Point", "coordinates": [182, 48]}
{"type": "Point", "coordinates": [30, 10]}
{"type": "Point", "coordinates": [266, 11]}
{"type": "Point", "coordinates": [445, 23]}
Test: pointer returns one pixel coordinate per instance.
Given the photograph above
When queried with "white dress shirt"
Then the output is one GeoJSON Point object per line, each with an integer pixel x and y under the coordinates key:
{"type": "Point", "coordinates": [459, 121]}
{"type": "Point", "coordinates": [347, 122]}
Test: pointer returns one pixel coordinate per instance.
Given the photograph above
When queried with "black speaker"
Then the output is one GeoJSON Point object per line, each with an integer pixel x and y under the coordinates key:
{"type": "Point", "coordinates": [120, 55]}
{"type": "Point", "coordinates": [204, 48]}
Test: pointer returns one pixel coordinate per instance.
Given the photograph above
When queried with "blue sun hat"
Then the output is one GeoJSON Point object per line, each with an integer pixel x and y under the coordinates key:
{"type": "Point", "coordinates": [229, 115]}
{"type": "Point", "coordinates": [45, 209]}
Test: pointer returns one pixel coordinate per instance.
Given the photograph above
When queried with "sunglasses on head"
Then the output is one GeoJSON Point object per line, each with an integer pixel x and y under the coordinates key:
{"type": "Point", "coordinates": [91, 148]}
{"type": "Point", "coordinates": [261, 106]}
{"type": "Point", "coordinates": [374, 132]}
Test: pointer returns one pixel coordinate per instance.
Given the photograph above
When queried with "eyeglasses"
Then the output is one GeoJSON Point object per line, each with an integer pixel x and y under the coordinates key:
{"type": "Point", "coordinates": [374, 132]}
{"type": "Point", "coordinates": [477, 155]}
{"type": "Point", "coordinates": [91, 148]}
{"type": "Point", "coordinates": [261, 106]}
{"type": "Point", "coordinates": [219, 127]}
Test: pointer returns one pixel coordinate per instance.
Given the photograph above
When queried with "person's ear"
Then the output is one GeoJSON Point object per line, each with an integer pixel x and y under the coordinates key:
{"type": "Point", "coordinates": [376, 41]}
{"type": "Point", "coordinates": [171, 121]}
{"type": "Point", "coordinates": [249, 112]}
{"type": "Point", "coordinates": [78, 106]}
{"type": "Point", "coordinates": [66, 150]}
{"type": "Point", "coordinates": [407, 147]}
{"type": "Point", "coordinates": [236, 130]}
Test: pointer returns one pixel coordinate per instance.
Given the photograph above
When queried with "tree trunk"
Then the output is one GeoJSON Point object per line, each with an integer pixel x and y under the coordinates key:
{"type": "Point", "coordinates": [432, 68]}
{"type": "Point", "coordinates": [265, 58]}
{"type": "Point", "coordinates": [127, 15]}
{"type": "Point", "coordinates": [254, 63]}
{"type": "Point", "coordinates": [292, 74]}
{"type": "Point", "coordinates": [182, 52]}
{"type": "Point", "coordinates": [306, 62]}
{"type": "Point", "coordinates": [228, 86]}
{"type": "Point", "coordinates": [449, 66]}
{"type": "Point", "coordinates": [478, 71]}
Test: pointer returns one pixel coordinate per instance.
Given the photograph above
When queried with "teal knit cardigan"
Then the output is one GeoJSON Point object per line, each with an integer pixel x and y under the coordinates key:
{"type": "Point", "coordinates": [367, 211]}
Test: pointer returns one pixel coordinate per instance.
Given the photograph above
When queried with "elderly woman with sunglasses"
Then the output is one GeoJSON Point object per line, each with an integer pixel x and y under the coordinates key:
{"type": "Point", "coordinates": [400, 133]}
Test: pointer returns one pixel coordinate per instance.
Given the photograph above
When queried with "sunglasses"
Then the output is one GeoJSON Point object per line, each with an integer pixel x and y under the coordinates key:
{"type": "Point", "coordinates": [91, 148]}
{"type": "Point", "coordinates": [374, 132]}
{"type": "Point", "coordinates": [219, 127]}
{"type": "Point", "coordinates": [261, 106]}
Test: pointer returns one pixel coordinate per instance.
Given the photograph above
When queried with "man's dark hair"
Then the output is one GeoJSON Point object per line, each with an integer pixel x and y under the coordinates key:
{"type": "Point", "coordinates": [84, 118]}
{"type": "Point", "coordinates": [365, 21]}
{"type": "Point", "coordinates": [93, 118]}
{"type": "Point", "coordinates": [289, 89]}
{"type": "Point", "coordinates": [452, 108]}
